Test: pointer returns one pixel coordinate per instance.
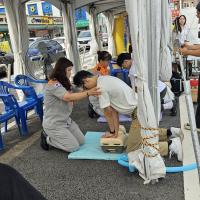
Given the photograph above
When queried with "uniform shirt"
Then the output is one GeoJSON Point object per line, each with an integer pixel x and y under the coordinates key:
{"type": "Point", "coordinates": [57, 111]}
{"type": "Point", "coordinates": [117, 94]}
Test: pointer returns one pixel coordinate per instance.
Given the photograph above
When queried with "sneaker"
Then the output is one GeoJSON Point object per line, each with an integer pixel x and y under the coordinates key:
{"type": "Point", "coordinates": [176, 148]}
{"type": "Point", "coordinates": [176, 132]}
{"type": "Point", "coordinates": [43, 142]}
{"type": "Point", "coordinates": [187, 127]}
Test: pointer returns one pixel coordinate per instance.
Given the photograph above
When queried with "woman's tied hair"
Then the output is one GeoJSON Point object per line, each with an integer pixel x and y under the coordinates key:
{"type": "Point", "coordinates": [104, 55]}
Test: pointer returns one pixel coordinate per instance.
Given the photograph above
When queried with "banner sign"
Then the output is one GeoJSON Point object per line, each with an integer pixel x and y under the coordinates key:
{"type": "Point", "coordinates": [80, 14]}
{"type": "Point", "coordinates": [2, 11]}
{"type": "Point", "coordinates": [47, 8]}
{"type": "Point", "coordinates": [32, 9]}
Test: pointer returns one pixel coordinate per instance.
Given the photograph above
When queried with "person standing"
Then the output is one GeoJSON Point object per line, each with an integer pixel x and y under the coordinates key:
{"type": "Point", "coordinates": [194, 50]}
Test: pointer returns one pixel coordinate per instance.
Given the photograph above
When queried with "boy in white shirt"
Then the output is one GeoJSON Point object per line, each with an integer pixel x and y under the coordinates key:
{"type": "Point", "coordinates": [167, 97]}
{"type": "Point", "coordinates": [116, 97]}
{"type": "Point", "coordinates": [125, 60]}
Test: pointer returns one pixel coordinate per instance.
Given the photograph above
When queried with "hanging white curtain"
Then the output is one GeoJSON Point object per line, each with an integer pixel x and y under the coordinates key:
{"type": "Point", "coordinates": [18, 30]}
{"type": "Point", "coordinates": [153, 46]}
{"type": "Point", "coordinates": [73, 36]}
{"type": "Point", "coordinates": [165, 54]}
{"type": "Point", "coordinates": [147, 159]}
{"type": "Point", "coordinates": [67, 33]}
{"type": "Point", "coordinates": [93, 43]}
{"type": "Point", "coordinates": [110, 29]}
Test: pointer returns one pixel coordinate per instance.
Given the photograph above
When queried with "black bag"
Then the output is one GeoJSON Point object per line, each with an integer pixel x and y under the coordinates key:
{"type": "Point", "coordinates": [177, 84]}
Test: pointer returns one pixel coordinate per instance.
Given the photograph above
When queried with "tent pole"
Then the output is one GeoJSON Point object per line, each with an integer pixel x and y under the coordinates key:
{"type": "Point", "coordinates": [190, 109]}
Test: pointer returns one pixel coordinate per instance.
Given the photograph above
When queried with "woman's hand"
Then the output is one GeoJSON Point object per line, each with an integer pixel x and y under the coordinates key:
{"type": "Point", "coordinates": [94, 91]}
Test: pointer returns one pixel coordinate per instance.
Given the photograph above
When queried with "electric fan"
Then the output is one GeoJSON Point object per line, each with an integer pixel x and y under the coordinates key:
{"type": "Point", "coordinates": [41, 58]}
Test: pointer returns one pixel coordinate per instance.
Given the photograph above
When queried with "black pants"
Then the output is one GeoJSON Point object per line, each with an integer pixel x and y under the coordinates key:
{"type": "Point", "coordinates": [14, 187]}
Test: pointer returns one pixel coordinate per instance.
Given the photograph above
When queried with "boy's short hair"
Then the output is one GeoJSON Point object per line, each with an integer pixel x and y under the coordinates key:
{"type": "Point", "coordinates": [198, 7]}
{"type": "Point", "coordinates": [80, 76]}
{"type": "Point", "coordinates": [122, 57]}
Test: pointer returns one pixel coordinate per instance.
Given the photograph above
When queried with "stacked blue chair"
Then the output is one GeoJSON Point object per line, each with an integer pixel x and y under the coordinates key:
{"type": "Point", "coordinates": [115, 72]}
{"type": "Point", "coordinates": [10, 112]}
{"type": "Point", "coordinates": [23, 80]}
{"type": "Point", "coordinates": [24, 106]}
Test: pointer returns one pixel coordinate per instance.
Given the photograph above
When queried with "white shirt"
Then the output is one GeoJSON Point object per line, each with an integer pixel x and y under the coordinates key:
{"type": "Point", "coordinates": [132, 69]}
{"type": "Point", "coordinates": [161, 86]}
{"type": "Point", "coordinates": [183, 35]}
{"type": "Point", "coordinates": [132, 75]}
{"type": "Point", "coordinates": [117, 94]}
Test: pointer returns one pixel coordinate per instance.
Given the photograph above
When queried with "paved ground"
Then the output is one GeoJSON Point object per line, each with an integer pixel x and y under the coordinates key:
{"type": "Point", "coordinates": [61, 179]}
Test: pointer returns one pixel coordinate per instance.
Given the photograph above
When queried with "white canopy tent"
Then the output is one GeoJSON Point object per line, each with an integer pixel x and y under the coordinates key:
{"type": "Point", "coordinates": [67, 31]}
{"type": "Point", "coordinates": [165, 54]}
{"type": "Point", "coordinates": [94, 46]}
{"type": "Point", "coordinates": [67, 8]}
{"type": "Point", "coordinates": [17, 15]}
{"type": "Point", "coordinates": [18, 30]}
{"type": "Point", "coordinates": [146, 57]}
{"type": "Point", "coordinates": [110, 28]}
{"type": "Point", "coordinates": [145, 28]}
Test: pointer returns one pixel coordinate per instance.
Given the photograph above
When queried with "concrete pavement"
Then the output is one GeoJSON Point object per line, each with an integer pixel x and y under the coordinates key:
{"type": "Point", "coordinates": [61, 179]}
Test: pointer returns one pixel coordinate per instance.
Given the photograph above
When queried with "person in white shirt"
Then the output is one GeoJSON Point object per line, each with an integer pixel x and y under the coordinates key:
{"type": "Point", "coordinates": [125, 60]}
{"type": "Point", "coordinates": [116, 97]}
{"type": "Point", "coordinates": [181, 30]}
{"type": "Point", "coordinates": [180, 35]}
{"type": "Point", "coordinates": [166, 95]}
{"type": "Point", "coordinates": [167, 98]}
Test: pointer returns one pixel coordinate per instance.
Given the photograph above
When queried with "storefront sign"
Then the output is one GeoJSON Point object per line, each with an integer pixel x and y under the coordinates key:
{"type": "Point", "coordinates": [45, 20]}
{"type": "Point", "coordinates": [37, 20]}
{"type": "Point", "coordinates": [57, 20]}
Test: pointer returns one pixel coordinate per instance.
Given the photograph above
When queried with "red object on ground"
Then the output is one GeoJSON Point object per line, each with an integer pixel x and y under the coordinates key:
{"type": "Point", "coordinates": [194, 82]}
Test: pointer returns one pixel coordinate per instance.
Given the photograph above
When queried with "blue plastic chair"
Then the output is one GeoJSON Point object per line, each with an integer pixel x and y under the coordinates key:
{"type": "Point", "coordinates": [23, 80]}
{"type": "Point", "coordinates": [115, 72]}
{"type": "Point", "coordinates": [9, 113]}
{"type": "Point", "coordinates": [24, 106]}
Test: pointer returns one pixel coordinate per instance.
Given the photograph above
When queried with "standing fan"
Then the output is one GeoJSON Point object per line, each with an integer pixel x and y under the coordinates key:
{"type": "Point", "coordinates": [41, 58]}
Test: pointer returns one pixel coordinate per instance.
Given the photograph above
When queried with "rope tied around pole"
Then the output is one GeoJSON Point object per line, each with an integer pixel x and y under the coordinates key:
{"type": "Point", "coordinates": [145, 138]}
